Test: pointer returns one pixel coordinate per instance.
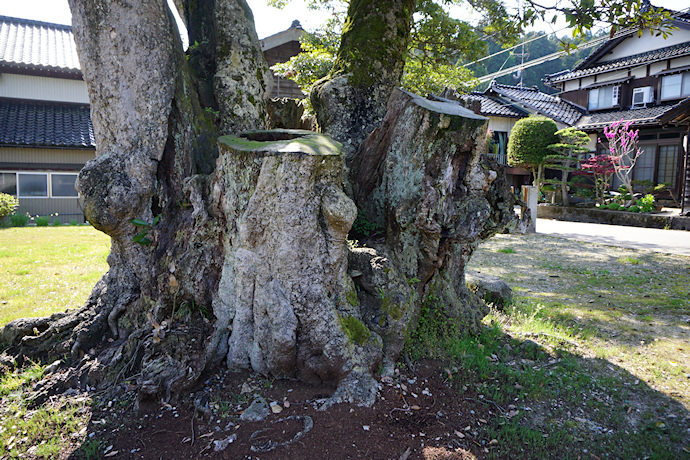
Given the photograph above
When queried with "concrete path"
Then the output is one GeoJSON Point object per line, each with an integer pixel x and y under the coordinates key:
{"type": "Point", "coordinates": [652, 239]}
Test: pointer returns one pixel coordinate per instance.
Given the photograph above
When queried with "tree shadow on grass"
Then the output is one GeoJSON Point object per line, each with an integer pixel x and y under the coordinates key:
{"type": "Point", "coordinates": [553, 403]}
{"type": "Point", "coordinates": [627, 301]}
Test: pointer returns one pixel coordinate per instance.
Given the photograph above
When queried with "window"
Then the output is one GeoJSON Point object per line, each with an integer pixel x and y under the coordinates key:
{"type": "Point", "coordinates": [33, 185]}
{"type": "Point", "coordinates": [8, 183]}
{"type": "Point", "coordinates": [498, 146]}
{"type": "Point", "coordinates": [668, 162]}
{"type": "Point", "coordinates": [675, 86]}
{"type": "Point", "coordinates": [604, 98]}
{"type": "Point", "coordinates": [62, 185]}
{"type": "Point", "coordinates": [644, 166]}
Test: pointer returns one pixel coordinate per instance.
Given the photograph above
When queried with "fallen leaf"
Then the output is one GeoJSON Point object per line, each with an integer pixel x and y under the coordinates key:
{"type": "Point", "coordinates": [112, 454]}
{"type": "Point", "coordinates": [459, 435]}
{"type": "Point", "coordinates": [206, 435]}
{"type": "Point", "coordinates": [481, 420]}
{"type": "Point", "coordinates": [415, 407]}
{"type": "Point", "coordinates": [493, 442]}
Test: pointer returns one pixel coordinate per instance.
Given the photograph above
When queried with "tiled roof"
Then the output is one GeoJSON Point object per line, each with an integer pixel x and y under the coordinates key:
{"type": "Point", "coordinates": [37, 45]}
{"type": "Point", "coordinates": [661, 54]}
{"type": "Point", "coordinates": [638, 117]}
{"type": "Point", "coordinates": [50, 124]}
{"type": "Point", "coordinates": [492, 107]}
{"type": "Point", "coordinates": [542, 103]}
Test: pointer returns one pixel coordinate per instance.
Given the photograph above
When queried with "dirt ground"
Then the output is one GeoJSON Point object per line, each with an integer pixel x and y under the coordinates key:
{"type": "Point", "coordinates": [418, 415]}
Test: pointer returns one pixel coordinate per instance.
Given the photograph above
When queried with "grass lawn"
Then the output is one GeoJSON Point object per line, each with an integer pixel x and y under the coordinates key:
{"type": "Point", "coordinates": [44, 270]}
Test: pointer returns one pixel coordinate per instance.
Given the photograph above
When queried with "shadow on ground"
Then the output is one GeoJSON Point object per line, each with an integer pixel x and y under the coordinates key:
{"type": "Point", "coordinates": [499, 397]}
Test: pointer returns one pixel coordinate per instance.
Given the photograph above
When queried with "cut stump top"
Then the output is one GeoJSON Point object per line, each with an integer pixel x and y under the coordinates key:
{"type": "Point", "coordinates": [281, 141]}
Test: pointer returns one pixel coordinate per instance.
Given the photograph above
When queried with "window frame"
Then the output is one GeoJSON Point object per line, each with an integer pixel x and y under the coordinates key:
{"type": "Point", "coordinates": [49, 183]}
{"type": "Point", "coordinates": [614, 100]}
{"type": "Point", "coordinates": [16, 184]}
{"type": "Point", "coordinates": [683, 87]}
{"type": "Point", "coordinates": [32, 173]}
{"type": "Point", "coordinates": [52, 195]}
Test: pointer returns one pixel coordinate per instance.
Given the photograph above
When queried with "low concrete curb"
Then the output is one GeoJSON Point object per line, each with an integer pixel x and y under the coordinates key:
{"type": "Point", "coordinates": [602, 216]}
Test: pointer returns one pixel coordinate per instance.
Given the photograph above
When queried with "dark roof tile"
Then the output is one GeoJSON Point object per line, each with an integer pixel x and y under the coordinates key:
{"type": "Point", "coordinates": [542, 103]}
{"type": "Point", "coordinates": [494, 107]}
{"type": "Point", "coordinates": [47, 124]}
{"type": "Point", "coordinates": [661, 54]}
{"type": "Point", "coordinates": [37, 45]}
{"type": "Point", "coordinates": [638, 117]}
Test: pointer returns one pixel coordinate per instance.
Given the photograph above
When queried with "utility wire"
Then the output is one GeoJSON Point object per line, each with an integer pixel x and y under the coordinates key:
{"type": "Point", "coordinates": [556, 55]}
{"type": "Point", "coordinates": [511, 48]}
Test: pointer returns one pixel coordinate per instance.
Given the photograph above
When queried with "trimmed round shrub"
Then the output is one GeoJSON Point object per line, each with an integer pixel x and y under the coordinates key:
{"type": "Point", "coordinates": [529, 141]}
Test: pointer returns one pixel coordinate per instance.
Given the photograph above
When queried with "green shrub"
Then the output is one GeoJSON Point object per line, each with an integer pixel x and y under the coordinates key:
{"type": "Point", "coordinates": [74, 222]}
{"type": "Point", "coordinates": [634, 208]}
{"type": "Point", "coordinates": [19, 220]}
{"type": "Point", "coordinates": [8, 204]}
{"type": "Point", "coordinates": [528, 144]}
{"type": "Point", "coordinates": [646, 203]}
{"type": "Point", "coordinates": [615, 206]}
{"type": "Point", "coordinates": [42, 221]}
{"type": "Point", "coordinates": [56, 222]}
{"type": "Point", "coordinates": [603, 206]}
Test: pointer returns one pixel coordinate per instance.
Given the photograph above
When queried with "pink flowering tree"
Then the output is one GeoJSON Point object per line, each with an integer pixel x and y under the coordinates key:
{"type": "Point", "coordinates": [622, 144]}
{"type": "Point", "coordinates": [601, 168]}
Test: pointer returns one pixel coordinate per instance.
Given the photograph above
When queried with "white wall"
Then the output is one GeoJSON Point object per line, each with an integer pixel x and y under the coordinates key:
{"type": "Point", "coordinates": [571, 85]}
{"type": "Point", "coordinates": [639, 72]}
{"type": "Point", "coordinates": [637, 45]}
{"type": "Point", "coordinates": [501, 123]}
{"type": "Point", "coordinates": [680, 62]}
{"type": "Point", "coordinates": [43, 88]}
{"type": "Point", "coordinates": [657, 67]}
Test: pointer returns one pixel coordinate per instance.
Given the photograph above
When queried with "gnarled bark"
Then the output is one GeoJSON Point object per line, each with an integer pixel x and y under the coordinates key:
{"type": "Point", "coordinates": [421, 175]}
{"type": "Point", "coordinates": [352, 100]}
{"type": "Point", "coordinates": [234, 251]}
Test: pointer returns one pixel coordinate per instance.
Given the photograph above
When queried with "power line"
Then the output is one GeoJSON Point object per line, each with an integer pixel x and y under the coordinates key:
{"type": "Point", "coordinates": [558, 54]}
{"type": "Point", "coordinates": [511, 48]}
{"type": "Point", "coordinates": [539, 60]}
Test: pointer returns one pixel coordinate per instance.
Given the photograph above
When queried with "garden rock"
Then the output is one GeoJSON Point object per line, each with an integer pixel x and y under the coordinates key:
{"type": "Point", "coordinates": [491, 289]}
{"type": "Point", "coordinates": [257, 411]}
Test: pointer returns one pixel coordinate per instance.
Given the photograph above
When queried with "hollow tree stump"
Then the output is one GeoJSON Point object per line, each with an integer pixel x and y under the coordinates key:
{"type": "Point", "coordinates": [284, 288]}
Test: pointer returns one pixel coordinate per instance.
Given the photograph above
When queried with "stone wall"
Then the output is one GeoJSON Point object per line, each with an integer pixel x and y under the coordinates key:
{"type": "Point", "coordinates": [603, 216]}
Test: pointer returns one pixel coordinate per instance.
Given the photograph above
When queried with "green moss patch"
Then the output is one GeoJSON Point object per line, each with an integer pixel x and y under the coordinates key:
{"type": "Point", "coordinates": [282, 141]}
{"type": "Point", "coordinates": [356, 331]}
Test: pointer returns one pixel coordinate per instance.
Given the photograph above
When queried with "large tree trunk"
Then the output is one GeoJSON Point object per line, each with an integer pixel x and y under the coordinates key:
{"type": "Point", "coordinates": [422, 177]}
{"type": "Point", "coordinates": [232, 249]}
{"type": "Point", "coordinates": [352, 100]}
